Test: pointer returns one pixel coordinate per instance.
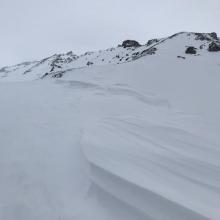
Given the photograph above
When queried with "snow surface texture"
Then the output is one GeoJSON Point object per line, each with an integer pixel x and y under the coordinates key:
{"type": "Point", "coordinates": [135, 141]}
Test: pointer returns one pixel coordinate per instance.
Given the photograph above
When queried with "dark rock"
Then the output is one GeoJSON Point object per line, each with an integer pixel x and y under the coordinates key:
{"type": "Point", "coordinates": [214, 35]}
{"type": "Point", "coordinates": [52, 69]}
{"type": "Point", "coordinates": [201, 36]}
{"type": "Point", "coordinates": [191, 50]}
{"type": "Point", "coordinates": [88, 53]}
{"type": "Point", "coordinates": [89, 63]}
{"type": "Point", "coordinates": [58, 75]}
{"type": "Point", "coordinates": [181, 57]}
{"type": "Point", "coordinates": [136, 54]}
{"type": "Point", "coordinates": [201, 47]}
{"type": "Point", "coordinates": [46, 74]}
{"type": "Point", "coordinates": [152, 41]}
{"type": "Point", "coordinates": [69, 60]}
{"type": "Point", "coordinates": [130, 43]}
{"type": "Point", "coordinates": [214, 47]}
{"type": "Point", "coordinates": [207, 37]}
{"type": "Point", "coordinates": [70, 53]}
{"type": "Point", "coordinates": [149, 51]}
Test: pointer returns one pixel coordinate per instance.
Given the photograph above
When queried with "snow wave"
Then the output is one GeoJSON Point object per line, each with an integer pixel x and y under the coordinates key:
{"type": "Point", "coordinates": [161, 172]}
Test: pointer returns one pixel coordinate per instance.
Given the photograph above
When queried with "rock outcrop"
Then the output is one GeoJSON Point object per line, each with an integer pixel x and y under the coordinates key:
{"type": "Point", "coordinates": [207, 37]}
{"type": "Point", "coordinates": [214, 47]}
{"type": "Point", "coordinates": [130, 43]}
{"type": "Point", "coordinates": [150, 42]}
{"type": "Point", "coordinates": [191, 50]}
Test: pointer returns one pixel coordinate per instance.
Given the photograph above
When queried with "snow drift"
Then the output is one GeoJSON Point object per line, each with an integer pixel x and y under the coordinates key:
{"type": "Point", "coordinates": [125, 133]}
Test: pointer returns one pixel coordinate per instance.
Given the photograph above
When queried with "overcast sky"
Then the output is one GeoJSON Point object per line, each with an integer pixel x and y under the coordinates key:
{"type": "Point", "coordinates": [34, 29]}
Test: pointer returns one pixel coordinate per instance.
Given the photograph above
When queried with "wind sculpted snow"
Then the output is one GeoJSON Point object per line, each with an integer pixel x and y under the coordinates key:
{"type": "Point", "coordinates": [135, 141]}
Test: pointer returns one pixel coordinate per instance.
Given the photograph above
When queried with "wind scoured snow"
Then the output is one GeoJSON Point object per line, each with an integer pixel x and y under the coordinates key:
{"type": "Point", "coordinates": [139, 140]}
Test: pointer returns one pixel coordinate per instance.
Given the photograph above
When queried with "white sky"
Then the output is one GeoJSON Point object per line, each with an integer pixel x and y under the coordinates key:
{"type": "Point", "coordinates": [34, 29]}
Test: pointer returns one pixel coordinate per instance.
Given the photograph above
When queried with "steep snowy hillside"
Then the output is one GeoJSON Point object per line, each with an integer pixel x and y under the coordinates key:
{"type": "Point", "coordinates": [129, 133]}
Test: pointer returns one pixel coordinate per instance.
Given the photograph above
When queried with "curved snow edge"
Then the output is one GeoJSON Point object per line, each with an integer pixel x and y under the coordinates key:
{"type": "Point", "coordinates": [147, 203]}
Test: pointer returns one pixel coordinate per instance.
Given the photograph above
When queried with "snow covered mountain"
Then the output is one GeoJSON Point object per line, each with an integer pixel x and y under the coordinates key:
{"type": "Point", "coordinates": [57, 64]}
{"type": "Point", "coordinates": [130, 132]}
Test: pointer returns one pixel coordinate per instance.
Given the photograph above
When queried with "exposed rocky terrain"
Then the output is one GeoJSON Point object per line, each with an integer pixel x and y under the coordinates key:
{"type": "Point", "coordinates": [57, 64]}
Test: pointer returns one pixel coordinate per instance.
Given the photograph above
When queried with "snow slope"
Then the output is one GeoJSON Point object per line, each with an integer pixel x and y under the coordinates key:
{"type": "Point", "coordinates": [57, 64]}
{"type": "Point", "coordinates": [139, 140]}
